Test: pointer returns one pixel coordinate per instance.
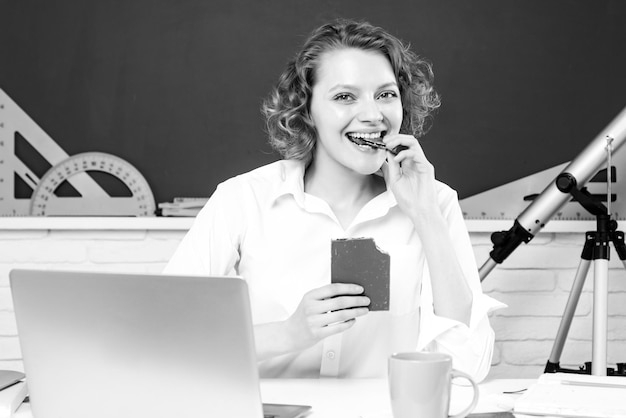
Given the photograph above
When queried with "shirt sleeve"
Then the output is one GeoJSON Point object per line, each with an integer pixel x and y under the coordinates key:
{"type": "Point", "coordinates": [471, 347]}
{"type": "Point", "coordinates": [211, 246]}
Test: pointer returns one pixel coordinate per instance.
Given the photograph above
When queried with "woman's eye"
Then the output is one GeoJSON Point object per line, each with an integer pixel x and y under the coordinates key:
{"type": "Point", "coordinates": [343, 97]}
{"type": "Point", "coordinates": [388, 95]}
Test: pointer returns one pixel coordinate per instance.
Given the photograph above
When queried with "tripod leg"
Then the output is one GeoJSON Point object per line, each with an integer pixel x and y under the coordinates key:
{"type": "Point", "coordinates": [600, 317]}
{"type": "Point", "coordinates": [568, 314]}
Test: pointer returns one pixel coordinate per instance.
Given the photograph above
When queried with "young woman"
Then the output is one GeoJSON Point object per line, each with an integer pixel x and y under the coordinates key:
{"type": "Point", "coordinates": [345, 115]}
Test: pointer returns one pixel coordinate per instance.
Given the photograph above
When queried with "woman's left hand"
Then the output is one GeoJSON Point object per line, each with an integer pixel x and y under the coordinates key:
{"type": "Point", "coordinates": [410, 176]}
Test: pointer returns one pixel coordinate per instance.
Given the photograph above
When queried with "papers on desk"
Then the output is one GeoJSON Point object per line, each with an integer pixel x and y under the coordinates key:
{"type": "Point", "coordinates": [11, 398]}
{"type": "Point", "coordinates": [574, 395]}
{"type": "Point", "coordinates": [12, 392]}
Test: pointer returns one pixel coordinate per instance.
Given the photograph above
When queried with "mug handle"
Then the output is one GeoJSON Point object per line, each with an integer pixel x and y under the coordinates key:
{"type": "Point", "coordinates": [472, 405]}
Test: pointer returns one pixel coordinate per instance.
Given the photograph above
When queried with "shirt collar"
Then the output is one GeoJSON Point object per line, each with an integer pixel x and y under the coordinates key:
{"type": "Point", "coordinates": [292, 182]}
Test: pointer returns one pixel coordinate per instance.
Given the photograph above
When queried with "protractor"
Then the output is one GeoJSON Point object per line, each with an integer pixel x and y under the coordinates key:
{"type": "Point", "coordinates": [120, 189]}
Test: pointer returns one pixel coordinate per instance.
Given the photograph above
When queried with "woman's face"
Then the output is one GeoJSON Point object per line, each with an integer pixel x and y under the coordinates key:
{"type": "Point", "coordinates": [355, 95]}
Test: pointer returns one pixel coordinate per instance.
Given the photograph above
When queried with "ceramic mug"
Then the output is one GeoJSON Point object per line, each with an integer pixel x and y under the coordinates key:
{"type": "Point", "coordinates": [420, 385]}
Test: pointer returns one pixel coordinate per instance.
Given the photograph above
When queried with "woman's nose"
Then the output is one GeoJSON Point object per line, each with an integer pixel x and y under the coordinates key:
{"type": "Point", "coordinates": [370, 112]}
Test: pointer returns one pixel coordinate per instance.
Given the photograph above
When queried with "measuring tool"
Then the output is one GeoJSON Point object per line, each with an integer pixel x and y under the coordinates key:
{"type": "Point", "coordinates": [18, 130]}
{"type": "Point", "coordinates": [44, 201]}
{"type": "Point", "coordinates": [506, 202]}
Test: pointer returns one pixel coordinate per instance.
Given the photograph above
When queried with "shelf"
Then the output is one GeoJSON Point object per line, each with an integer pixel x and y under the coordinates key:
{"type": "Point", "coordinates": [174, 223]}
{"type": "Point", "coordinates": [552, 227]}
{"type": "Point", "coordinates": [95, 223]}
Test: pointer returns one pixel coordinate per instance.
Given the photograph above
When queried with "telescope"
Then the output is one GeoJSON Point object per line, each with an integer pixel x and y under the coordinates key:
{"type": "Point", "coordinates": [538, 213]}
{"type": "Point", "coordinates": [569, 184]}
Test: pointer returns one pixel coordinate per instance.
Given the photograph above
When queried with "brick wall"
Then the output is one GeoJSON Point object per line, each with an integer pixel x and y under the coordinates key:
{"type": "Point", "coordinates": [535, 282]}
{"type": "Point", "coordinates": [139, 251]}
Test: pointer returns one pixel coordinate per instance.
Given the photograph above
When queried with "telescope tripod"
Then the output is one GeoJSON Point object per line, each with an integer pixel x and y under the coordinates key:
{"type": "Point", "coordinates": [596, 249]}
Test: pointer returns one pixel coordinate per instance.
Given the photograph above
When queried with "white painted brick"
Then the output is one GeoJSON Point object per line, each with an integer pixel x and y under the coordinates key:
{"type": "Point", "coordinates": [617, 280]}
{"type": "Point", "coordinates": [521, 353]}
{"type": "Point", "coordinates": [520, 328]}
{"type": "Point", "coordinates": [497, 357]}
{"type": "Point", "coordinates": [546, 328]}
{"type": "Point", "coordinates": [4, 274]}
{"type": "Point", "coordinates": [617, 304]}
{"type": "Point", "coordinates": [16, 365]}
{"type": "Point", "coordinates": [510, 371]}
{"type": "Point", "coordinates": [14, 234]}
{"type": "Point", "coordinates": [617, 328]}
{"type": "Point", "coordinates": [576, 239]}
{"type": "Point", "coordinates": [534, 281]}
{"type": "Point", "coordinates": [168, 235]}
{"type": "Point", "coordinates": [140, 268]}
{"type": "Point", "coordinates": [484, 238]}
{"type": "Point", "coordinates": [10, 348]}
{"type": "Point", "coordinates": [129, 267]}
{"type": "Point", "coordinates": [539, 304]}
{"type": "Point", "coordinates": [42, 251]}
{"type": "Point", "coordinates": [480, 238]}
{"type": "Point", "coordinates": [614, 262]}
{"type": "Point", "coordinates": [565, 279]}
{"type": "Point", "coordinates": [8, 327]}
{"type": "Point", "coordinates": [543, 256]}
{"type": "Point", "coordinates": [481, 254]}
{"type": "Point", "coordinates": [581, 330]}
{"type": "Point", "coordinates": [543, 238]}
{"type": "Point", "coordinates": [506, 280]}
{"type": "Point", "coordinates": [6, 301]}
{"type": "Point", "coordinates": [87, 235]}
{"type": "Point", "coordinates": [137, 252]}
{"type": "Point", "coordinates": [617, 288]}
{"type": "Point", "coordinates": [6, 268]}
{"type": "Point", "coordinates": [616, 352]}
{"type": "Point", "coordinates": [576, 353]}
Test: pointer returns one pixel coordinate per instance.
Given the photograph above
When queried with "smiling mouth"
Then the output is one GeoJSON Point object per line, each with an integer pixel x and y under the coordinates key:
{"type": "Point", "coordinates": [372, 140]}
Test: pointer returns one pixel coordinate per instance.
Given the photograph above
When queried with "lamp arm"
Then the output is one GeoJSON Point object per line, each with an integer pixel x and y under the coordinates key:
{"type": "Point", "coordinates": [538, 213]}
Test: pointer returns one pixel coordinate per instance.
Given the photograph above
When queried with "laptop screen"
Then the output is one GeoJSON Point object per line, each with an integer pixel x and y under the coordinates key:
{"type": "Point", "coordinates": [128, 345]}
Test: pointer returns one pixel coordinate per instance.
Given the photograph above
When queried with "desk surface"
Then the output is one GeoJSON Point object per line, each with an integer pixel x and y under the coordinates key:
{"type": "Point", "coordinates": [367, 398]}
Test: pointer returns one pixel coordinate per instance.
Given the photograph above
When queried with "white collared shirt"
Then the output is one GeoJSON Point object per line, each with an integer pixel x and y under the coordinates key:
{"type": "Point", "coordinates": [262, 226]}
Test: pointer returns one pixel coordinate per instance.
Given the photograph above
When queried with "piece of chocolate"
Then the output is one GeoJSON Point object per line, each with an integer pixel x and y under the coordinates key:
{"type": "Point", "coordinates": [360, 261]}
{"type": "Point", "coordinates": [379, 145]}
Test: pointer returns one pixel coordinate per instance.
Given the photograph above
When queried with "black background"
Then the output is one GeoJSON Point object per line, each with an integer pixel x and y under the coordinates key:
{"type": "Point", "coordinates": [174, 87]}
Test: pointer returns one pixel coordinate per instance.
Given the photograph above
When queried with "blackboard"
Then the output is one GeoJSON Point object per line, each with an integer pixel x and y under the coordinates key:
{"type": "Point", "coordinates": [174, 86]}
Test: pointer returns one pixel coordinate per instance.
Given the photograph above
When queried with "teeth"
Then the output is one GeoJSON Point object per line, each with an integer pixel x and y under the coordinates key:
{"type": "Point", "coordinates": [367, 140]}
{"type": "Point", "coordinates": [365, 135]}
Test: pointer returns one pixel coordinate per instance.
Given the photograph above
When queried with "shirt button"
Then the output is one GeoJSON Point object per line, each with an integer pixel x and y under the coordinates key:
{"type": "Point", "coordinates": [330, 355]}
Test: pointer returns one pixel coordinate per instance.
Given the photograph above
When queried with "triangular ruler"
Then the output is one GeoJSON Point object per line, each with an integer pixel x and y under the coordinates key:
{"type": "Point", "coordinates": [509, 200]}
{"type": "Point", "coordinates": [16, 127]}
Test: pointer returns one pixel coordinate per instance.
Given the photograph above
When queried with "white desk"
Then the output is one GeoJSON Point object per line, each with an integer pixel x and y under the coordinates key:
{"type": "Point", "coordinates": [366, 398]}
{"type": "Point", "coordinates": [369, 398]}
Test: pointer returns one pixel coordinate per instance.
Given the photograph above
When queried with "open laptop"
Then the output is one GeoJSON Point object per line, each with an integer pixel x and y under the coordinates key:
{"type": "Point", "coordinates": [136, 345]}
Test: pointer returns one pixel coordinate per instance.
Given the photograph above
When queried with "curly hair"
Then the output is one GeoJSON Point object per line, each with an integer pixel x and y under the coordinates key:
{"type": "Point", "coordinates": [286, 109]}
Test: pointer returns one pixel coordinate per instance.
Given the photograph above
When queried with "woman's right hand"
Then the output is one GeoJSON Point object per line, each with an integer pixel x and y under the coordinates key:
{"type": "Point", "coordinates": [325, 311]}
